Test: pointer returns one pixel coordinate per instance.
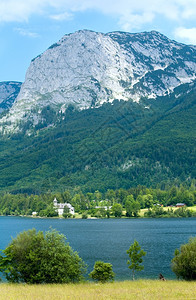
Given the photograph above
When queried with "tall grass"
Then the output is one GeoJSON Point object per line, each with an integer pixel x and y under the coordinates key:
{"type": "Point", "coordinates": [140, 289]}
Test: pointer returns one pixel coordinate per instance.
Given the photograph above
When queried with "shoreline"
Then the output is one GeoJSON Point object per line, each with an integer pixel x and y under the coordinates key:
{"type": "Point", "coordinates": [95, 218]}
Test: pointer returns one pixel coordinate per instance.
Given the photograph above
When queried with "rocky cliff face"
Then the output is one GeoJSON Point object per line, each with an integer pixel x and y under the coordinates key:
{"type": "Point", "coordinates": [86, 69]}
{"type": "Point", "coordinates": [9, 91]}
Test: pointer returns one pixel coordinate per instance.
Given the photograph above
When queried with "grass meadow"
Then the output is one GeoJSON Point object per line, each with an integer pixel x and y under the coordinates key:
{"type": "Point", "coordinates": [139, 289]}
{"type": "Point", "coordinates": [142, 211]}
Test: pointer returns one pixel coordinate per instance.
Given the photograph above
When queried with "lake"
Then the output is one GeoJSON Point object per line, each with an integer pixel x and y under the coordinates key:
{"type": "Point", "coordinates": [108, 240]}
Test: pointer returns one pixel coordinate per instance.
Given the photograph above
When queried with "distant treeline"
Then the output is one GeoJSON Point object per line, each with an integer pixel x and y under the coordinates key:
{"type": "Point", "coordinates": [95, 204]}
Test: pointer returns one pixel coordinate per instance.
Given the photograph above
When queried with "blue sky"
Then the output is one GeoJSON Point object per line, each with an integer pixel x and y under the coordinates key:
{"type": "Point", "coordinates": [28, 27]}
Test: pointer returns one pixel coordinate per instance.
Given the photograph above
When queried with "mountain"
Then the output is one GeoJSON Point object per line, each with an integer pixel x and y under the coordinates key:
{"type": "Point", "coordinates": [86, 69]}
{"type": "Point", "coordinates": [119, 144]}
{"type": "Point", "coordinates": [9, 91]}
{"type": "Point", "coordinates": [102, 111]}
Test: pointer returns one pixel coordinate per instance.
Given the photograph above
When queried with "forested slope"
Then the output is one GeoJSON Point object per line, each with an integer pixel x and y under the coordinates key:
{"type": "Point", "coordinates": [122, 144]}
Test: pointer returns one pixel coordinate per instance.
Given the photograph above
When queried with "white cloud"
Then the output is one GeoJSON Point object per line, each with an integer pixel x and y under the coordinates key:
{"type": "Point", "coordinates": [20, 10]}
{"type": "Point", "coordinates": [135, 21]}
{"type": "Point", "coordinates": [130, 13]}
{"type": "Point", "coordinates": [26, 32]}
{"type": "Point", "coordinates": [187, 34]}
{"type": "Point", "coordinates": [62, 17]}
{"type": "Point", "coordinates": [188, 9]}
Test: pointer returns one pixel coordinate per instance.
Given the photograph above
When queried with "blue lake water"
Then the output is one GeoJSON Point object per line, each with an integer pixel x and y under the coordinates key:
{"type": "Point", "coordinates": [108, 240]}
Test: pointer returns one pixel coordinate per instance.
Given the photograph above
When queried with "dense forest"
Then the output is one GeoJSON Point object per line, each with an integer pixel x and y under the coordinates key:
{"type": "Point", "coordinates": [118, 145]}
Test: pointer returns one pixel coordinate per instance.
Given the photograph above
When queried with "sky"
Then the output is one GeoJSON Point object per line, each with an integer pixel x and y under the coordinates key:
{"type": "Point", "coordinates": [29, 27]}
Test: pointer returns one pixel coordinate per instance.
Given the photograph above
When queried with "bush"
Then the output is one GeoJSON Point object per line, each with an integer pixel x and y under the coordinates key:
{"type": "Point", "coordinates": [184, 262]}
{"type": "Point", "coordinates": [33, 257]}
{"type": "Point", "coordinates": [102, 272]}
{"type": "Point", "coordinates": [183, 212]}
{"type": "Point", "coordinates": [85, 215]}
{"type": "Point", "coordinates": [155, 212]}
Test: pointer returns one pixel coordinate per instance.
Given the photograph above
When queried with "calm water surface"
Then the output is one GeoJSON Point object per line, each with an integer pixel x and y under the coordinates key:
{"type": "Point", "coordinates": [108, 240]}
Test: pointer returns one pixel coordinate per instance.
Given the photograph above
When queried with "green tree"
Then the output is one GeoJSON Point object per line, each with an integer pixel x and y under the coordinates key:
{"type": "Point", "coordinates": [132, 208]}
{"type": "Point", "coordinates": [66, 196]}
{"type": "Point", "coordinates": [184, 261]}
{"type": "Point", "coordinates": [121, 195]}
{"type": "Point", "coordinates": [102, 272]}
{"type": "Point", "coordinates": [35, 257]}
{"type": "Point", "coordinates": [135, 206]}
{"type": "Point", "coordinates": [66, 212]}
{"type": "Point", "coordinates": [101, 213]}
{"type": "Point", "coordinates": [148, 199]}
{"type": "Point", "coordinates": [135, 254]}
{"type": "Point", "coordinates": [89, 196]}
{"type": "Point", "coordinates": [141, 201]}
{"type": "Point", "coordinates": [117, 210]}
{"type": "Point", "coordinates": [51, 212]}
{"type": "Point", "coordinates": [130, 198]}
{"type": "Point", "coordinates": [79, 202]}
{"type": "Point", "coordinates": [128, 208]}
{"type": "Point", "coordinates": [98, 195]}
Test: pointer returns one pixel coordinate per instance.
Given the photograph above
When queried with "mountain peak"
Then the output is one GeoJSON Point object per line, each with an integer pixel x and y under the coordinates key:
{"type": "Point", "coordinates": [87, 69]}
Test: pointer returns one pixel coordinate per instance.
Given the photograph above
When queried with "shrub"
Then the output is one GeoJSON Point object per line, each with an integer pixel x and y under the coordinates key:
{"type": "Point", "coordinates": [84, 215]}
{"type": "Point", "coordinates": [33, 257]}
{"type": "Point", "coordinates": [183, 212]}
{"type": "Point", "coordinates": [184, 261]}
{"type": "Point", "coordinates": [102, 272]}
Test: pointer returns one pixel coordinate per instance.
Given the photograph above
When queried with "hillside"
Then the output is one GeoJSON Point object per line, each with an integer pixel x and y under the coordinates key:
{"type": "Point", "coordinates": [117, 145]}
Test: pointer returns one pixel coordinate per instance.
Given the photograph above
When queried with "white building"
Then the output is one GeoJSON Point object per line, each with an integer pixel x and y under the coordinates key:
{"type": "Point", "coordinates": [60, 207]}
{"type": "Point", "coordinates": [105, 207]}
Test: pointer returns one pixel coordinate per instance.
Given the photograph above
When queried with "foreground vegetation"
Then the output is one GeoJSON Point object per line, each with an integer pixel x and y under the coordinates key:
{"type": "Point", "coordinates": [139, 289]}
{"type": "Point", "coordinates": [34, 257]}
{"type": "Point", "coordinates": [28, 267]}
{"type": "Point", "coordinates": [38, 258]}
{"type": "Point", "coordinates": [184, 261]}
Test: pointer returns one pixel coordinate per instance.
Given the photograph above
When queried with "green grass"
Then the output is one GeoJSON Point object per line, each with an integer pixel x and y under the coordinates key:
{"type": "Point", "coordinates": [193, 208]}
{"type": "Point", "coordinates": [140, 289]}
{"type": "Point", "coordinates": [143, 210]}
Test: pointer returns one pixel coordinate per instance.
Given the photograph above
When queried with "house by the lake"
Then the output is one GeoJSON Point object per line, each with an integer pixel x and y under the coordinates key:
{"type": "Point", "coordinates": [59, 207]}
{"type": "Point", "coordinates": [180, 204]}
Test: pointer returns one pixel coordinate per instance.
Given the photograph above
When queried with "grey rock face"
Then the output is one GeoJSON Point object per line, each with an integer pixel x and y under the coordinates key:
{"type": "Point", "coordinates": [9, 91]}
{"type": "Point", "coordinates": [87, 69]}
